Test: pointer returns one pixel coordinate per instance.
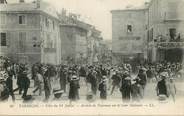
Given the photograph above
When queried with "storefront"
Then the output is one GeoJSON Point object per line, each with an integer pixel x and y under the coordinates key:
{"type": "Point", "coordinates": [167, 51]}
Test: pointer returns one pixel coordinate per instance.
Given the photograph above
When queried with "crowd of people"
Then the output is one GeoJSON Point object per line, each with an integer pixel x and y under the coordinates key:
{"type": "Point", "coordinates": [98, 78]}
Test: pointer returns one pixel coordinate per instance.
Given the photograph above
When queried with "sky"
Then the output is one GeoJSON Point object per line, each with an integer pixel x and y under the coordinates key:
{"type": "Point", "coordinates": [95, 12]}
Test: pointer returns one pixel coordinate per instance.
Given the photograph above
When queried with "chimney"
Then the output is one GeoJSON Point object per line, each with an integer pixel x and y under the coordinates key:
{"type": "Point", "coordinates": [38, 3]}
{"type": "Point", "coordinates": [146, 4]}
{"type": "Point", "coordinates": [21, 1]}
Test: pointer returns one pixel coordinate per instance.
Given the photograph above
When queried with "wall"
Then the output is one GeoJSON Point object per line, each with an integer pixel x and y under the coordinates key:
{"type": "Point", "coordinates": [74, 43]}
{"type": "Point", "coordinates": [124, 42]}
{"type": "Point", "coordinates": [13, 28]}
{"type": "Point", "coordinates": [50, 36]}
{"type": "Point", "coordinates": [163, 15]}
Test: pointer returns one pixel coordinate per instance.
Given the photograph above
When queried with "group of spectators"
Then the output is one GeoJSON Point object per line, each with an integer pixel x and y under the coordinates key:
{"type": "Point", "coordinates": [95, 78]}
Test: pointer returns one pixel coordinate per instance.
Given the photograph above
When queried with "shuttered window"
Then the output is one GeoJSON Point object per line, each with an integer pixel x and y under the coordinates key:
{"type": "Point", "coordinates": [22, 19]}
{"type": "Point", "coordinates": [3, 39]}
{"type": "Point", "coordinates": [22, 40]}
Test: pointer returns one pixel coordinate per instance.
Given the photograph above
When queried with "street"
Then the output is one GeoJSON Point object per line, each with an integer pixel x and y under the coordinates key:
{"type": "Point", "coordinates": [150, 93]}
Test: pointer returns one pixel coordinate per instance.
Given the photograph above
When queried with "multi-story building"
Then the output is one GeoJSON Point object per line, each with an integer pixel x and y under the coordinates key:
{"type": "Point", "coordinates": [128, 34]}
{"type": "Point", "coordinates": [165, 30]}
{"type": "Point", "coordinates": [79, 40]}
{"type": "Point", "coordinates": [35, 32]}
{"type": "Point", "coordinates": [156, 30]}
{"type": "Point", "coordinates": [29, 32]}
{"type": "Point", "coordinates": [74, 43]}
{"type": "Point", "coordinates": [94, 46]}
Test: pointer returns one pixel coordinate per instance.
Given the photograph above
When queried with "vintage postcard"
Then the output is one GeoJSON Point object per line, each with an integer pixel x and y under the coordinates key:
{"type": "Point", "coordinates": [91, 57]}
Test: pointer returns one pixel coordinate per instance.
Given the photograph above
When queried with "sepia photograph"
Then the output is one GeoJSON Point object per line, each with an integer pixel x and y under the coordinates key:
{"type": "Point", "coordinates": [91, 57]}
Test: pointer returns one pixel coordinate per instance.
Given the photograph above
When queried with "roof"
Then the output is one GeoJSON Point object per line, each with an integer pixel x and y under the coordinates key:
{"type": "Point", "coordinates": [26, 7]}
{"type": "Point", "coordinates": [131, 8]}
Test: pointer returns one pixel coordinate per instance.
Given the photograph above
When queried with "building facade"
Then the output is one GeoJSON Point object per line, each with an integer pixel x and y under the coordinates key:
{"type": "Point", "coordinates": [79, 40]}
{"type": "Point", "coordinates": [74, 43]}
{"type": "Point", "coordinates": [157, 29]}
{"type": "Point", "coordinates": [28, 33]}
{"type": "Point", "coordinates": [165, 30]}
{"type": "Point", "coordinates": [128, 34]}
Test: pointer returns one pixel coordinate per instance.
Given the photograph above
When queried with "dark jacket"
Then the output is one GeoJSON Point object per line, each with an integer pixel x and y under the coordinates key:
{"type": "Point", "coordinates": [116, 79]}
{"type": "Point", "coordinates": [162, 88]}
{"type": "Point", "coordinates": [142, 78]}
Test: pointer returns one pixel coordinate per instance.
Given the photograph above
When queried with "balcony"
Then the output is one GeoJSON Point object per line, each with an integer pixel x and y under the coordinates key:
{"type": "Point", "coordinates": [169, 45]}
{"type": "Point", "coordinates": [51, 50]}
{"type": "Point", "coordinates": [173, 16]}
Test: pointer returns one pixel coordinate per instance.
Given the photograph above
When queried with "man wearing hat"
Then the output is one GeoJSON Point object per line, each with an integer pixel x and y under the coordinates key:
{"type": "Point", "coordinates": [74, 87]}
{"type": "Point", "coordinates": [25, 82]}
{"type": "Point", "coordinates": [161, 88]}
{"type": "Point", "coordinates": [9, 84]}
{"type": "Point", "coordinates": [142, 80]}
{"type": "Point", "coordinates": [126, 86]}
{"type": "Point", "coordinates": [4, 92]}
{"type": "Point", "coordinates": [115, 81]}
{"type": "Point", "coordinates": [103, 88]}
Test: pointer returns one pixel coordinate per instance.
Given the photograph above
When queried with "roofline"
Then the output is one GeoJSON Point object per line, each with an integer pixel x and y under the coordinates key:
{"type": "Point", "coordinates": [73, 25]}
{"type": "Point", "coordinates": [32, 11]}
{"type": "Point", "coordinates": [124, 10]}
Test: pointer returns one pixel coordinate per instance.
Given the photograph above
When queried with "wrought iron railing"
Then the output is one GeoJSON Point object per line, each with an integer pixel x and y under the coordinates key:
{"type": "Point", "coordinates": [169, 45]}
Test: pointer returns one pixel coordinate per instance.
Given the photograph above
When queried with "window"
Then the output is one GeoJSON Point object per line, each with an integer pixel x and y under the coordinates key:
{"type": "Point", "coordinates": [53, 25]}
{"type": "Point", "coordinates": [48, 42]}
{"type": "Point", "coordinates": [47, 22]}
{"type": "Point", "coordinates": [22, 40]}
{"type": "Point", "coordinates": [3, 39]}
{"type": "Point", "coordinates": [172, 33]}
{"type": "Point", "coordinates": [22, 19]}
{"type": "Point", "coordinates": [129, 28]}
{"type": "Point", "coordinates": [151, 35]}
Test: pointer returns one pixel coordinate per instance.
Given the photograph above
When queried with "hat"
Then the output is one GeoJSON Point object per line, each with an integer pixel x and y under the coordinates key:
{"type": "Point", "coordinates": [103, 77]}
{"type": "Point", "coordinates": [74, 78]}
{"type": "Point", "coordinates": [164, 74]}
{"type": "Point", "coordinates": [127, 78]}
{"type": "Point", "coordinates": [133, 82]}
{"type": "Point", "coordinates": [126, 72]}
{"type": "Point", "coordinates": [2, 79]}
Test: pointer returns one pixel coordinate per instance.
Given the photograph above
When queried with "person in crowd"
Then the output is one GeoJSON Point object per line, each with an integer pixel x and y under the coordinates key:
{"type": "Point", "coordinates": [82, 75]}
{"type": "Point", "coordinates": [135, 91]}
{"type": "Point", "coordinates": [103, 88]}
{"type": "Point", "coordinates": [142, 81]}
{"type": "Point", "coordinates": [25, 83]}
{"type": "Point", "coordinates": [172, 88]}
{"type": "Point", "coordinates": [149, 74]}
{"type": "Point", "coordinates": [38, 83]}
{"type": "Point", "coordinates": [19, 79]}
{"type": "Point", "coordinates": [47, 85]}
{"type": "Point", "coordinates": [161, 88]}
{"type": "Point", "coordinates": [103, 70]}
{"type": "Point", "coordinates": [92, 80]}
{"type": "Point", "coordinates": [126, 87]}
{"type": "Point", "coordinates": [9, 84]}
{"type": "Point", "coordinates": [116, 78]}
{"type": "Point", "coordinates": [34, 71]}
{"type": "Point", "coordinates": [63, 78]}
{"type": "Point", "coordinates": [74, 87]}
{"type": "Point", "coordinates": [4, 91]}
